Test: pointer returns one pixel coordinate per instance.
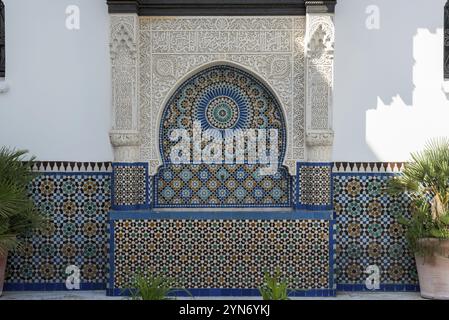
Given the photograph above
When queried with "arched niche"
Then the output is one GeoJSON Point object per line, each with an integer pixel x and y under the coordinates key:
{"type": "Point", "coordinates": [286, 160]}
{"type": "Point", "coordinates": [221, 98]}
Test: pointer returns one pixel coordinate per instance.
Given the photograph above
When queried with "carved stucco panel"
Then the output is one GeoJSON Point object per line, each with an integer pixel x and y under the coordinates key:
{"type": "Point", "coordinates": [172, 48]}
{"type": "Point", "coordinates": [123, 43]}
{"type": "Point", "coordinates": [320, 53]}
{"type": "Point", "coordinates": [320, 38]}
{"type": "Point", "coordinates": [125, 69]}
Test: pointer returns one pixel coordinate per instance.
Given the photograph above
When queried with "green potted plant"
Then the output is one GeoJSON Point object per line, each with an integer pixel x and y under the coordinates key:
{"type": "Point", "coordinates": [153, 287]}
{"type": "Point", "coordinates": [18, 214]}
{"type": "Point", "coordinates": [425, 179]}
{"type": "Point", "coordinates": [274, 288]}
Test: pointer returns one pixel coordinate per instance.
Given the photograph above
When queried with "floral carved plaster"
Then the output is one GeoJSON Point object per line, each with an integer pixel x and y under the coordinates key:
{"type": "Point", "coordinates": [125, 68]}
{"type": "Point", "coordinates": [173, 48]}
{"type": "Point", "coordinates": [320, 38]}
{"type": "Point", "coordinates": [152, 56]}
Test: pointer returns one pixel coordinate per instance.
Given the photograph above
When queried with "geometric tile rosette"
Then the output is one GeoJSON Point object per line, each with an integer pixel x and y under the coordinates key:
{"type": "Point", "coordinates": [221, 98]}
{"type": "Point", "coordinates": [315, 185]}
{"type": "Point", "coordinates": [223, 253]}
{"type": "Point", "coordinates": [76, 206]}
{"type": "Point", "coordinates": [130, 185]}
{"type": "Point", "coordinates": [368, 232]}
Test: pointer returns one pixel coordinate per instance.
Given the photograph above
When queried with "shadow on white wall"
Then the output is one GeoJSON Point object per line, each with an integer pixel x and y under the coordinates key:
{"type": "Point", "coordinates": [388, 82]}
{"type": "Point", "coordinates": [59, 100]}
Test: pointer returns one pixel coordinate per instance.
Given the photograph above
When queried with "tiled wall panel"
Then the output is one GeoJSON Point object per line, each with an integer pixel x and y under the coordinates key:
{"type": "Point", "coordinates": [314, 186]}
{"type": "Point", "coordinates": [130, 185]}
{"type": "Point", "coordinates": [76, 199]}
{"type": "Point", "coordinates": [221, 186]}
{"type": "Point", "coordinates": [225, 254]}
{"type": "Point", "coordinates": [76, 206]}
{"type": "Point", "coordinates": [369, 234]}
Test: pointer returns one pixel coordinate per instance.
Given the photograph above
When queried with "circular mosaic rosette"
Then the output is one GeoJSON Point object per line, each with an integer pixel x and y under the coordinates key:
{"type": "Point", "coordinates": [223, 107]}
{"type": "Point", "coordinates": [221, 98]}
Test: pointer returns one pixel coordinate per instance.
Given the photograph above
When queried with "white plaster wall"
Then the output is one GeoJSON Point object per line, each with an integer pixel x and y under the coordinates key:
{"type": "Point", "coordinates": [59, 98]}
{"type": "Point", "coordinates": [388, 82]}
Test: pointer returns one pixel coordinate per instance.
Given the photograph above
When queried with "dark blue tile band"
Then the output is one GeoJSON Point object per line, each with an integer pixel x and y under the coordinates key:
{"type": "Point", "coordinates": [222, 215]}
{"type": "Point", "coordinates": [229, 292]}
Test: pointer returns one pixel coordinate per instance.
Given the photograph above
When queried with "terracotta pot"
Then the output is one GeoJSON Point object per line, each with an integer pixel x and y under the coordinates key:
{"type": "Point", "coordinates": [433, 270]}
{"type": "Point", "coordinates": [2, 271]}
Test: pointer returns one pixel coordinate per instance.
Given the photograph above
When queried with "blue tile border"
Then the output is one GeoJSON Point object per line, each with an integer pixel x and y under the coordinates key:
{"type": "Point", "coordinates": [133, 207]}
{"type": "Point", "coordinates": [111, 267]}
{"type": "Point", "coordinates": [383, 288]}
{"type": "Point", "coordinates": [313, 207]}
{"type": "Point", "coordinates": [50, 286]}
{"type": "Point", "coordinates": [142, 206]}
{"type": "Point", "coordinates": [332, 254]}
{"type": "Point", "coordinates": [221, 215]}
{"type": "Point", "coordinates": [220, 206]}
{"type": "Point", "coordinates": [369, 174]}
{"type": "Point", "coordinates": [230, 292]}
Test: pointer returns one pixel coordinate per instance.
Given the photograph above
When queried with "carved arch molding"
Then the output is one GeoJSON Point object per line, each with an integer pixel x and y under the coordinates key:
{"type": "Point", "coordinates": [157, 45]}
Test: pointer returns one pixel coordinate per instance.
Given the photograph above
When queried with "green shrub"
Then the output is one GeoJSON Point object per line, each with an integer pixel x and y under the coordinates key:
{"type": "Point", "coordinates": [18, 215]}
{"type": "Point", "coordinates": [274, 288]}
{"type": "Point", "coordinates": [425, 180]}
{"type": "Point", "coordinates": [153, 288]}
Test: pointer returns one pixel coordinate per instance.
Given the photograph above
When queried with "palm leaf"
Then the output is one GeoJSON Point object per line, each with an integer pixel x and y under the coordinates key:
{"type": "Point", "coordinates": [18, 215]}
{"type": "Point", "coordinates": [425, 180]}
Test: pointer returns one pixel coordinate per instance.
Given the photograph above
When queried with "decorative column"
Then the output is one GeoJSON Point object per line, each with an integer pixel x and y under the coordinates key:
{"type": "Point", "coordinates": [315, 175]}
{"type": "Point", "coordinates": [124, 58]}
{"type": "Point", "coordinates": [130, 178]}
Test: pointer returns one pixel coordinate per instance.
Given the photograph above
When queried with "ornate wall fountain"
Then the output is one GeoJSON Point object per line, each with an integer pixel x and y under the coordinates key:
{"type": "Point", "coordinates": [176, 220]}
{"type": "Point", "coordinates": [270, 65]}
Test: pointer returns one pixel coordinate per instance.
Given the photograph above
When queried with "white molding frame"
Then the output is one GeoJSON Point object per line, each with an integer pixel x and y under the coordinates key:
{"type": "Point", "coordinates": [151, 58]}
